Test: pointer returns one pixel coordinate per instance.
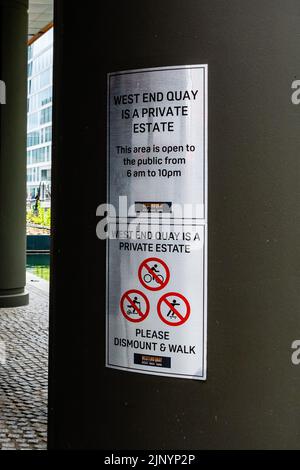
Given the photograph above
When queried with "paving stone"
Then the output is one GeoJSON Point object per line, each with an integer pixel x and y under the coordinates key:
{"type": "Point", "coordinates": [24, 377]}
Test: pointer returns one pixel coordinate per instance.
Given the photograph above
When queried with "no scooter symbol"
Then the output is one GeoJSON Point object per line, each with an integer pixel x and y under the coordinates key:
{"type": "Point", "coordinates": [134, 306]}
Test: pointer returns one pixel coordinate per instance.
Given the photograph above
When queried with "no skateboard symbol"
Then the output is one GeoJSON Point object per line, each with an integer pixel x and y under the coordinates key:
{"type": "Point", "coordinates": [134, 306]}
{"type": "Point", "coordinates": [173, 309]}
{"type": "Point", "coordinates": [154, 274]}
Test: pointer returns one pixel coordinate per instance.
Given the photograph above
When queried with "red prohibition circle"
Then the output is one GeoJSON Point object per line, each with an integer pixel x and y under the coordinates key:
{"type": "Point", "coordinates": [161, 283]}
{"type": "Point", "coordinates": [182, 318]}
{"type": "Point", "coordinates": [126, 298]}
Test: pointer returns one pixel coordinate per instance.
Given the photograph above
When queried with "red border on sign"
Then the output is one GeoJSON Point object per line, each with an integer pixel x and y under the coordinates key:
{"type": "Point", "coordinates": [143, 315]}
{"type": "Point", "coordinates": [162, 284]}
{"type": "Point", "coordinates": [182, 319]}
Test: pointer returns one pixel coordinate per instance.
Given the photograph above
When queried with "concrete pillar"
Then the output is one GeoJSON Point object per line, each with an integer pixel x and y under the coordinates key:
{"type": "Point", "coordinates": [13, 71]}
{"type": "Point", "coordinates": [251, 396]}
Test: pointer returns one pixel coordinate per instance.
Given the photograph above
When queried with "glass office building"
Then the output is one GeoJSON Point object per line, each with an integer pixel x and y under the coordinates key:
{"type": "Point", "coordinates": [39, 124]}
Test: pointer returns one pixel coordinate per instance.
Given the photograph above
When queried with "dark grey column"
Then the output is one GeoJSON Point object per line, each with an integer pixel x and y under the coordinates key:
{"type": "Point", "coordinates": [251, 396]}
{"type": "Point", "coordinates": [13, 71]}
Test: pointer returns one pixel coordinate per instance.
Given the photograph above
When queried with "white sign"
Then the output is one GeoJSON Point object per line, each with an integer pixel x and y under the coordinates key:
{"type": "Point", "coordinates": [157, 300]}
{"type": "Point", "coordinates": [157, 137]}
{"type": "Point", "coordinates": [157, 272]}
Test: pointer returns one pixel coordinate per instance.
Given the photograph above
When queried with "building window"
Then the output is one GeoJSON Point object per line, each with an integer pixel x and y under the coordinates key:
{"type": "Point", "coordinates": [46, 175]}
{"type": "Point", "coordinates": [33, 138]}
{"type": "Point", "coordinates": [46, 115]}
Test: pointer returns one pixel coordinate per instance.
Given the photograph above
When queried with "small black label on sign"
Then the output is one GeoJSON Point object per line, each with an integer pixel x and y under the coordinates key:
{"type": "Point", "coordinates": [153, 361]}
{"type": "Point", "coordinates": [153, 207]}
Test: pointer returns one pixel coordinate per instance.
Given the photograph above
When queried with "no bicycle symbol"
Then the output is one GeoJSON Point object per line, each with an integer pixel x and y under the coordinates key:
{"type": "Point", "coordinates": [173, 309]}
{"type": "Point", "coordinates": [135, 306]}
{"type": "Point", "coordinates": [154, 274]}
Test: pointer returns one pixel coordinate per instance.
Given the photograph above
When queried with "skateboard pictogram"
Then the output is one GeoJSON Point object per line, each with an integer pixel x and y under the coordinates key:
{"type": "Point", "coordinates": [134, 306]}
{"type": "Point", "coordinates": [173, 309]}
{"type": "Point", "coordinates": [154, 274]}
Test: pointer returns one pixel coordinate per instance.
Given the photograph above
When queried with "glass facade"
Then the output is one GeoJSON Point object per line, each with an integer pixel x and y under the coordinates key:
{"type": "Point", "coordinates": [39, 119]}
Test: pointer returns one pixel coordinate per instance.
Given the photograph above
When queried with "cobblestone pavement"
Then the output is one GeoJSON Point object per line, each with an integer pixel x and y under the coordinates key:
{"type": "Point", "coordinates": [23, 373]}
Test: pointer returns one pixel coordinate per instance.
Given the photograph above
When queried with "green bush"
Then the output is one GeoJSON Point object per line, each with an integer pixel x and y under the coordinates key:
{"type": "Point", "coordinates": [41, 216]}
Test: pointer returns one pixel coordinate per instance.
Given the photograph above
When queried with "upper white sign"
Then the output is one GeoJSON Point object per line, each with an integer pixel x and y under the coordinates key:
{"type": "Point", "coordinates": [157, 141]}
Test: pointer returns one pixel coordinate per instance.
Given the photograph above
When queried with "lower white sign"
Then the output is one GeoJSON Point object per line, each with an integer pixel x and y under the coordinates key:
{"type": "Point", "coordinates": [156, 300]}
